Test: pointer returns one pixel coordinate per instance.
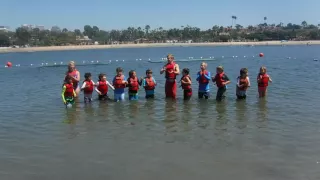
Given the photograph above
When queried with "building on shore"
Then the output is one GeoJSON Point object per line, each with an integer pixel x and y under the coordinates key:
{"type": "Point", "coordinates": [4, 28]}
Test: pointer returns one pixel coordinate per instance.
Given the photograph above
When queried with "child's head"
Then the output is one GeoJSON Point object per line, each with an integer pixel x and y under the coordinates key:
{"type": "Point", "coordinates": [71, 66]}
{"type": "Point", "coordinates": [219, 69]}
{"type": "Point", "coordinates": [149, 73]}
{"type": "Point", "coordinates": [244, 72]}
{"type": "Point", "coordinates": [119, 71]}
{"type": "Point", "coordinates": [263, 70]}
{"type": "Point", "coordinates": [102, 77]}
{"type": "Point", "coordinates": [68, 79]}
{"type": "Point", "coordinates": [185, 71]}
{"type": "Point", "coordinates": [203, 66]}
{"type": "Point", "coordinates": [87, 76]}
{"type": "Point", "coordinates": [170, 58]}
{"type": "Point", "coordinates": [132, 73]}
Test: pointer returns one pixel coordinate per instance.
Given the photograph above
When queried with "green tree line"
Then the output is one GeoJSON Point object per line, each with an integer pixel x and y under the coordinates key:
{"type": "Point", "coordinates": [236, 32]}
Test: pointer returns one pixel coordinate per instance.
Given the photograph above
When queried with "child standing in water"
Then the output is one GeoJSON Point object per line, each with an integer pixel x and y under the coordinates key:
{"type": "Point", "coordinates": [186, 84]}
{"type": "Point", "coordinates": [133, 84]}
{"type": "Point", "coordinates": [203, 77]}
{"type": "Point", "coordinates": [68, 93]}
{"type": "Point", "coordinates": [102, 87]}
{"type": "Point", "coordinates": [221, 80]}
{"type": "Point", "coordinates": [119, 84]}
{"type": "Point", "coordinates": [87, 87]}
{"type": "Point", "coordinates": [263, 80]}
{"type": "Point", "coordinates": [243, 83]}
{"type": "Point", "coordinates": [149, 84]}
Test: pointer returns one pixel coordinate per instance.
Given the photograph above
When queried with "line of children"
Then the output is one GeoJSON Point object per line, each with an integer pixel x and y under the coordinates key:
{"type": "Point", "coordinates": [149, 84]}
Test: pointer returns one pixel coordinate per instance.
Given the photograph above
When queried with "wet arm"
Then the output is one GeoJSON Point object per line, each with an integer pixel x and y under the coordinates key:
{"type": "Point", "coordinates": [227, 80]}
{"type": "Point", "coordinates": [270, 80]}
{"type": "Point", "coordinates": [249, 83]}
{"type": "Point", "coordinates": [110, 85]}
{"type": "Point", "coordinates": [198, 76]}
{"type": "Point", "coordinates": [96, 88]}
{"type": "Point", "coordinates": [208, 76]}
{"type": "Point", "coordinates": [83, 86]}
{"type": "Point", "coordinates": [176, 69]}
{"type": "Point", "coordinates": [62, 94]}
{"type": "Point", "coordinates": [187, 82]}
{"type": "Point", "coordinates": [162, 70]}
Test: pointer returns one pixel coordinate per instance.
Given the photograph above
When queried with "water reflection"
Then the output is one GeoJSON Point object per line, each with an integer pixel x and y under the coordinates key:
{"type": "Point", "coordinates": [241, 114]}
{"type": "Point", "coordinates": [222, 119]}
{"type": "Point", "coordinates": [203, 120]}
{"type": "Point", "coordinates": [89, 112]}
{"type": "Point", "coordinates": [262, 112]}
{"type": "Point", "coordinates": [170, 115]}
{"type": "Point", "coordinates": [149, 105]}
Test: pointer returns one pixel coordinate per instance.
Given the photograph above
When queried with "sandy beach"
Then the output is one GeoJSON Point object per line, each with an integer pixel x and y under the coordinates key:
{"type": "Point", "coordinates": [85, 47]}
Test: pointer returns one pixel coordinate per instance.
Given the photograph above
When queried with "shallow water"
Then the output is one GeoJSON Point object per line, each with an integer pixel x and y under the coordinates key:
{"type": "Point", "coordinates": [272, 138]}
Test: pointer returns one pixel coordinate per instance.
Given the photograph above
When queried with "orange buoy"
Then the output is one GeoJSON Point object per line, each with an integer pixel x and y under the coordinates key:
{"type": "Point", "coordinates": [9, 64]}
{"type": "Point", "coordinates": [261, 54]}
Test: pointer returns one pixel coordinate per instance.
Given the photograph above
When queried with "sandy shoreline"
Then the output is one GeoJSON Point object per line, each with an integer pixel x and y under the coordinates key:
{"type": "Point", "coordinates": [66, 48]}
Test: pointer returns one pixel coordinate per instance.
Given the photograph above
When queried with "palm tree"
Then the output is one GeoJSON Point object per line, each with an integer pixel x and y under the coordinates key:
{"type": "Point", "coordinates": [265, 20]}
{"type": "Point", "coordinates": [304, 23]}
{"type": "Point", "coordinates": [234, 20]}
{"type": "Point", "coordinates": [147, 29]}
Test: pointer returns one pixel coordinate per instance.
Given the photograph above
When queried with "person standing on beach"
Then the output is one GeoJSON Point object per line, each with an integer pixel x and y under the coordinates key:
{"type": "Point", "coordinates": [75, 74]}
{"type": "Point", "coordinates": [171, 70]}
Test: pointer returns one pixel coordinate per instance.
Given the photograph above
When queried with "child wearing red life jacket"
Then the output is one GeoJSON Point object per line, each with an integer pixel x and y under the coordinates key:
{"type": "Point", "coordinates": [221, 80]}
{"type": "Point", "coordinates": [102, 87]}
{"type": "Point", "coordinates": [186, 84]}
{"type": "Point", "coordinates": [263, 80]}
{"type": "Point", "coordinates": [87, 87]}
{"type": "Point", "coordinates": [243, 83]}
{"type": "Point", "coordinates": [119, 84]}
{"type": "Point", "coordinates": [68, 93]}
{"type": "Point", "coordinates": [133, 84]}
{"type": "Point", "coordinates": [149, 84]}
{"type": "Point", "coordinates": [203, 77]}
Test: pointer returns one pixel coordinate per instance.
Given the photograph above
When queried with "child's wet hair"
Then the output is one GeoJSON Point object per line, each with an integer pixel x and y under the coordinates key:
{"type": "Point", "coordinates": [119, 69]}
{"type": "Point", "coordinates": [67, 78]}
{"type": "Point", "coordinates": [87, 75]}
{"type": "Point", "coordinates": [148, 71]}
{"type": "Point", "coordinates": [131, 72]}
{"type": "Point", "coordinates": [263, 69]}
{"type": "Point", "coordinates": [170, 55]}
{"type": "Point", "coordinates": [243, 71]}
{"type": "Point", "coordinates": [186, 71]}
{"type": "Point", "coordinates": [220, 68]}
{"type": "Point", "coordinates": [101, 75]}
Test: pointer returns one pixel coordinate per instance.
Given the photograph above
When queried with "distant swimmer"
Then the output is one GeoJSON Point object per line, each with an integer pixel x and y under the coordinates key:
{"type": "Point", "coordinates": [68, 94]}
{"type": "Point", "coordinates": [263, 80]}
{"type": "Point", "coordinates": [75, 74]}
{"type": "Point", "coordinates": [171, 70]}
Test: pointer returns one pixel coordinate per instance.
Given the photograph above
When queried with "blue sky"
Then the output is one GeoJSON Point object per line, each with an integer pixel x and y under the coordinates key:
{"type": "Point", "coordinates": [119, 14]}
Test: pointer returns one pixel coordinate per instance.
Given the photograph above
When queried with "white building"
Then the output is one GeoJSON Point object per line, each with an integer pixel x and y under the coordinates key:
{"type": "Point", "coordinates": [4, 28]}
{"type": "Point", "coordinates": [40, 27]}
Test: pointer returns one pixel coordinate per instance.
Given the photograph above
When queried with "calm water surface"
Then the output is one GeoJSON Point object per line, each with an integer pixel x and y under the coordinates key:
{"type": "Point", "coordinates": [273, 138]}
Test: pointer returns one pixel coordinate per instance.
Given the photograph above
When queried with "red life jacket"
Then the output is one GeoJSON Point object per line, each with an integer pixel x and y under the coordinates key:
{"type": "Point", "coordinates": [73, 74]}
{"type": "Point", "coordinates": [170, 71]}
{"type": "Point", "coordinates": [263, 80]}
{"type": "Point", "coordinates": [69, 90]}
{"type": "Point", "coordinates": [184, 86]}
{"type": "Point", "coordinates": [103, 87]}
{"type": "Point", "coordinates": [244, 82]}
{"type": "Point", "coordinates": [89, 88]}
{"type": "Point", "coordinates": [150, 85]}
{"type": "Point", "coordinates": [118, 82]}
{"type": "Point", "coordinates": [203, 79]}
{"type": "Point", "coordinates": [134, 84]}
{"type": "Point", "coordinates": [219, 80]}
